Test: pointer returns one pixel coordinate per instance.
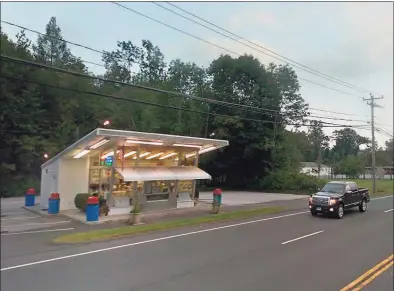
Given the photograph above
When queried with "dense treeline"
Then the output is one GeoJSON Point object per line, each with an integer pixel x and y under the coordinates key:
{"type": "Point", "coordinates": [44, 110]}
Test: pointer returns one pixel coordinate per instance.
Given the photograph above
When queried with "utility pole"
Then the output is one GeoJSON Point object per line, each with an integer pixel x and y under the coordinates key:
{"type": "Point", "coordinates": [372, 104]}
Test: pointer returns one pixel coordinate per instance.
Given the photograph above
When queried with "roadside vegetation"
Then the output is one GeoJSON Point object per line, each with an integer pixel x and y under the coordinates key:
{"type": "Point", "coordinates": [111, 233]}
{"type": "Point", "coordinates": [44, 111]}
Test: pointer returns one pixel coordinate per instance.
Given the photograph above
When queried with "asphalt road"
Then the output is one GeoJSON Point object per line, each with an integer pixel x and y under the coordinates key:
{"type": "Point", "coordinates": [284, 252]}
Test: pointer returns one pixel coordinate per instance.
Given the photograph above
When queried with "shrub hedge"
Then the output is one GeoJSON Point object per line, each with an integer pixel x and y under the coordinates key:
{"type": "Point", "coordinates": [80, 200]}
{"type": "Point", "coordinates": [291, 181]}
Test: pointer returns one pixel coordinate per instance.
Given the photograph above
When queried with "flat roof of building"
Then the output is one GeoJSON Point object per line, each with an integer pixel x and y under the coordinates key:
{"type": "Point", "coordinates": [119, 137]}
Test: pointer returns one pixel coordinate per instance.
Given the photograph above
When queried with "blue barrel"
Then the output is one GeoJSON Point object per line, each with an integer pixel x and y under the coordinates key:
{"type": "Point", "coordinates": [54, 203]}
{"type": "Point", "coordinates": [30, 197]}
{"type": "Point", "coordinates": [92, 209]}
{"type": "Point", "coordinates": [218, 199]}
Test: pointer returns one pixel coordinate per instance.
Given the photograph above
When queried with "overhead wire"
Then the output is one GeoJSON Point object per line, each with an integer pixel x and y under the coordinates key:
{"type": "Point", "coordinates": [115, 97]}
{"type": "Point", "coordinates": [221, 47]}
{"type": "Point", "coordinates": [246, 108]}
{"type": "Point", "coordinates": [101, 52]}
{"type": "Point", "coordinates": [280, 57]}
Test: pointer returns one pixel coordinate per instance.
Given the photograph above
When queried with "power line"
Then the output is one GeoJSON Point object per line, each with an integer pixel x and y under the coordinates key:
{"type": "Point", "coordinates": [101, 52]}
{"type": "Point", "coordinates": [69, 42]}
{"type": "Point", "coordinates": [231, 105]}
{"type": "Point", "coordinates": [115, 97]}
{"type": "Point", "coordinates": [382, 126]}
{"type": "Point", "coordinates": [221, 47]}
{"type": "Point", "coordinates": [177, 94]}
{"type": "Point", "coordinates": [384, 132]}
{"type": "Point", "coordinates": [286, 60]}
{"type": "Point", "coordinates": [173, 93]}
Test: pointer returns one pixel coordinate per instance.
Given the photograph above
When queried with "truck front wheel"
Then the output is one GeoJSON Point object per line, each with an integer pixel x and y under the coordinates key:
{"type": "Point", "coordinates": [340, 211]}
{"type": "Point", "coordinates": [363, 206]}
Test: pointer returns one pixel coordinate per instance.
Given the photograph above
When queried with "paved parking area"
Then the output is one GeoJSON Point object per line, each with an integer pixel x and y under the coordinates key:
{"type": "Point", "coordinates": [15, 219]}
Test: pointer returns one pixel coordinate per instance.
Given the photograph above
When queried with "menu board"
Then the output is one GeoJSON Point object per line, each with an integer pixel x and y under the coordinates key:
{"type": "Point", "coordinates": [109, 161]}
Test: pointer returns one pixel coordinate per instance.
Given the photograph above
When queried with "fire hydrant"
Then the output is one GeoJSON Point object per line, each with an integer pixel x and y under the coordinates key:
{"type": "Point", "coordinates": [217, 200]}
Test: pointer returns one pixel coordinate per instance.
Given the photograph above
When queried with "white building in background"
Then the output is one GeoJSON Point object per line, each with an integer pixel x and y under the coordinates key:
{"type": "Point", "coordinates": [311, 168]}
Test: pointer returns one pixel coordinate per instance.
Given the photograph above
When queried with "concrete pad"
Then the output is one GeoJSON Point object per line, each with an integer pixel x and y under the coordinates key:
{"type": "Point", "coordinates": [234, 198]}
{"type": "Point", "coordinates": [17, 219]}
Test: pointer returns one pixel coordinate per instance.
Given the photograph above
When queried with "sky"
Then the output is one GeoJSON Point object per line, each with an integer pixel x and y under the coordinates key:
{"type": "Point", "coordinates": [351, 41]}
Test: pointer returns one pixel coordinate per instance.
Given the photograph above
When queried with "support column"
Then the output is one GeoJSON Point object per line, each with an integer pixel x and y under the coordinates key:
{"type": "Point", "coordinates": [195, 181]}
{"type": "Point", "coordinates": [112, 179]}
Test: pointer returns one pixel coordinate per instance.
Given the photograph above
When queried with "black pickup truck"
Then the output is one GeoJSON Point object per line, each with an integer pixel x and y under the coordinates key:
{"type": "Point", "coordinates": [336, 196]}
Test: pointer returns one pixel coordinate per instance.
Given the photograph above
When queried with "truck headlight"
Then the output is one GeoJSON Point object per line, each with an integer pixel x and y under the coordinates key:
{"type": "Point", "coordinates": [333, 201]}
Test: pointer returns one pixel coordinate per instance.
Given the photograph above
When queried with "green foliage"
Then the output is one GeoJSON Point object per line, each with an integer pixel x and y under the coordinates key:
{"type": "Point", "coordinates": [351, 166]}
{"type": "Point", "coordinates": [287, 180]}
{"type": "Point", "coordinates": [80, 200]}
{"type": "Point", "coordinates": [37, 119]}
{"type": "Point", "coordinates": [18, 186]}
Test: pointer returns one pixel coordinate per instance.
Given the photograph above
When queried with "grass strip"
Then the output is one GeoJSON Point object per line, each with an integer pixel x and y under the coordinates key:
{"type": "Point", "coordinates": [110, 233]}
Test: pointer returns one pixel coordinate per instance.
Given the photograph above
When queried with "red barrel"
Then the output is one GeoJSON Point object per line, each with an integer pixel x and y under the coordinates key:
{"type": "Point", "coordinates": [92, 200]}
{"type": "Point", "coordinates": [55, 196]}
{"type": "Point", "coordinates": [31, 191]}
{"type": "Point", "coordinates": [217, 191]}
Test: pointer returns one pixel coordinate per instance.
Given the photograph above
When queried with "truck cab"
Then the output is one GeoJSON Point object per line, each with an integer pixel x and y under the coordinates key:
{"type": "Point", "coordinates": [336, 196]}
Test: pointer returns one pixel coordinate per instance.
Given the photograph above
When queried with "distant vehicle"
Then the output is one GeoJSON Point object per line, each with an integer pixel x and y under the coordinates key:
{"type": "Point", "coordinates": [336, 196]}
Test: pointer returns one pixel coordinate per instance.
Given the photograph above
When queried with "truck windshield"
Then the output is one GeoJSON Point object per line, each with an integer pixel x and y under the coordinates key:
{"type": "Point", "coordinates": [333, 188]}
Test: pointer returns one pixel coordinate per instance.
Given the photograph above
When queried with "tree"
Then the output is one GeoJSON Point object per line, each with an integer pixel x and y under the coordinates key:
{"type": "Point", "coordinates": [246, 81]}
{"type": "Point", "coordinates": [351, 166]}
{"type": "Point", "coordinates": [347, 142]}
{"type": "Point", "coordinates": [39, 118]}
{"type": "Point", "coordinates": [319, 142]}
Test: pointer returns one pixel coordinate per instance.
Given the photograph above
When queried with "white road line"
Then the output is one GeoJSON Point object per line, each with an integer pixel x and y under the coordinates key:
{"type": "Point", "coordinates": [35, 224]}
{"type": "Point", "coordinates": [155, 240]}
{"type": "Point", "coordinates": [20, 217]}
{"type": "Point", "coordinates": [384, 197]}
{"type": "Point", "coordinates": [302, 237]}
{"type": "Point", "coordinates": [37, 231]}
{"type": "Point", "coordinates": [16, 212]}
{"type": "Point", "coordinates": [389, 210]}
{"type": "Point", "coordinates": [149, 241]}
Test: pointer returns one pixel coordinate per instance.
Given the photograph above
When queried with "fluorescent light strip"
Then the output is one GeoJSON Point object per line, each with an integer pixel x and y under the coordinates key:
{"type": "Point", "coordinates": [207, 150]}
{"type": "Point", "coordinates": [154, 156]}
{"type": "Point", "coordinates": [129, 154]}
{"type": "Point", "coordinates": [186, 145]}
{"type": "Point", "coordinates": [81, 154]}
{"type": "Point", "coordinates": [107, 155]}
{"type": "Point", "coordinates": [144, 154]}
{"type": "Point", "coordinates": [100, 143]}
{"type": "Point", "coordinates": [144, 142]}
{"type": "Point", "coordinates": [167, 156]}
{"type": "Point", "coordinates": [201, 152]}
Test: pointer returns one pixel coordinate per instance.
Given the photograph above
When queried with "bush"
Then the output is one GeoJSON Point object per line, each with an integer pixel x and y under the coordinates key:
{"type": "Point", "coordinates": [17, 185]}
{"type": "Point", "coordinates": [291, 181]}
{"type": "Point", "coordinates": [80, 200]}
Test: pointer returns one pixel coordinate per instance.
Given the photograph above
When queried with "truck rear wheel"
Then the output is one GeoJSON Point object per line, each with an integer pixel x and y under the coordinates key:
{"type": "Point", "coordinates": [363, 206]}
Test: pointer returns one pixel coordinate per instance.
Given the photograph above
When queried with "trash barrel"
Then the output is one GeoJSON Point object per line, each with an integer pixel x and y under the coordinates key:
{"type": "Point", "coordinates": [217, 196]}
{"type": "Point", "coordinates": [92, 209]}
{"type": "Point", "coordinates": [54, 203]}
{"type": "Point", "coordinates": [30, 197]}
